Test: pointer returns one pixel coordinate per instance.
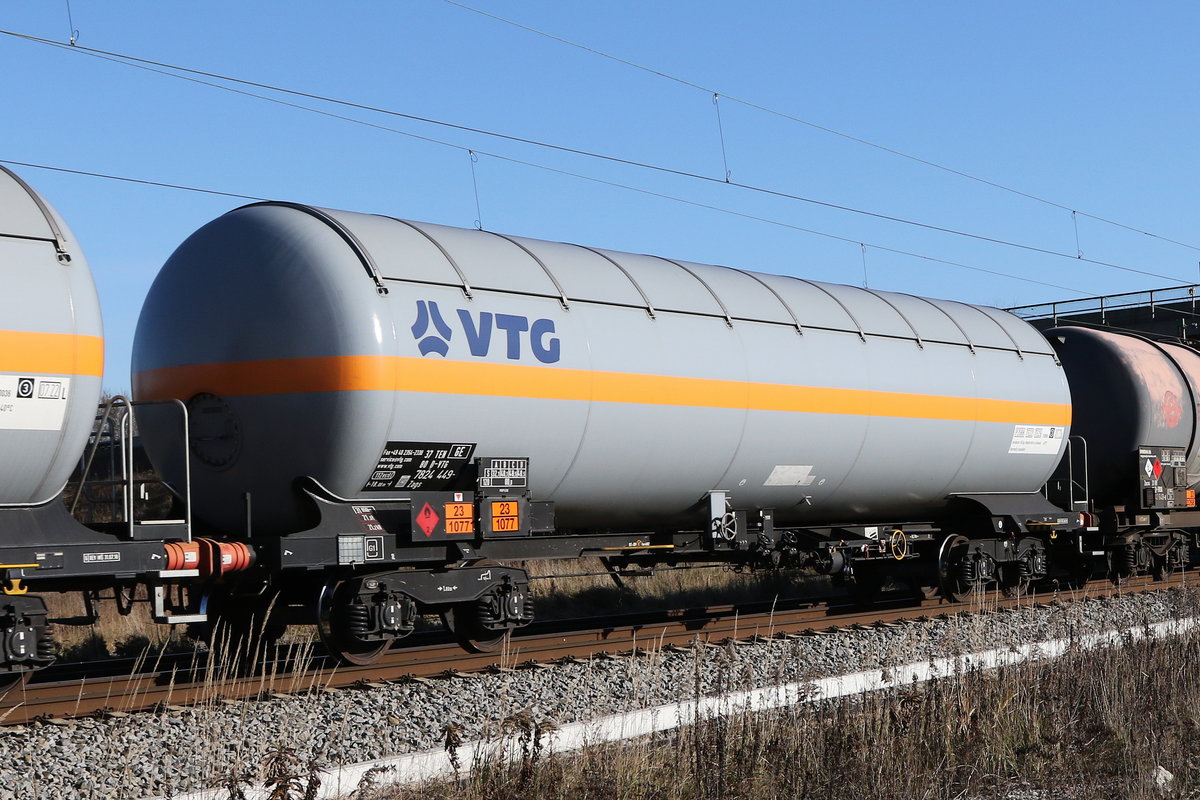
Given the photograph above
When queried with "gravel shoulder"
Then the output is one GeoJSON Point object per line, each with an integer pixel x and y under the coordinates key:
{"type": "Point", "coordinates": [173, 752]}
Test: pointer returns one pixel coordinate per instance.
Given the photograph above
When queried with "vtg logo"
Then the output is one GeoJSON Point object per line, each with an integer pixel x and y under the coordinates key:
{"type": "Point", "coordinates": [477, 330]}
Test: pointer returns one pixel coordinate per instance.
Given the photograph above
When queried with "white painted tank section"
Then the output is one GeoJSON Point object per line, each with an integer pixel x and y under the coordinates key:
{"type": "Point", "coordinates": [275, 284]}
{"type": "Point", "coordinates": [50, 347]}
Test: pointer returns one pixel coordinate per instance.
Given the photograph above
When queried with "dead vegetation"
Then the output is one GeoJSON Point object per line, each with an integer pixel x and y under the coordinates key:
{"type": "Point", "coordinates": [1119, 722]}
{"type": "Point", "coordinates": [586, 591]}
{"type": "Point", "coordinates": [588, 588]}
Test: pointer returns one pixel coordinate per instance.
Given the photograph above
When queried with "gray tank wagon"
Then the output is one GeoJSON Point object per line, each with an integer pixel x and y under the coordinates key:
{"type": "Point", "coordinates": [508, 398]}
{"type": "Point", "coordinates": [51, 367]}
{"type": "Point", "coordinates": [328, 344]}
{"type": "Point", "coordinates": [51, 347]}
{"type": "Point", "coordinates": [374, 419]}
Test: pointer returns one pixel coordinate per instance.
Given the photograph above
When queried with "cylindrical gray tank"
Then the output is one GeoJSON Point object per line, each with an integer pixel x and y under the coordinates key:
{"type": "Point", "coordinates": [634, 383]}
{"type": "Point", "coordinates": [1128, 392]}
{"type": "Point", "coordinates": [51, 347]}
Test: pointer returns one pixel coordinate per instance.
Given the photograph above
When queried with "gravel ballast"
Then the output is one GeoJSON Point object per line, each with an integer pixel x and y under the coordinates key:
{"type": "Point", "coordinates": [178, 751]}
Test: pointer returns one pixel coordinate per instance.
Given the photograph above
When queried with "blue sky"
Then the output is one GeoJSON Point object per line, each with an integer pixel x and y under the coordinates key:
{"type": "Point", "coordinates": [1092, 106]}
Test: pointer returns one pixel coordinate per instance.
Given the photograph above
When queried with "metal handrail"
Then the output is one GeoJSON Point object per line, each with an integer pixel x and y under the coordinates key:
{"type": "Point", "coordinates": [1103, 304]}
{"type": "Point", "coordinates": [1086, 485]}
{"type": "Point", "coordinates": [98, 431]}
{"type": "Point", "coordinates": [118, 412]}
{"type": "Point", "coordinates": [127, 453]}
{"type": "Point", "coordinates": [1077, 490]}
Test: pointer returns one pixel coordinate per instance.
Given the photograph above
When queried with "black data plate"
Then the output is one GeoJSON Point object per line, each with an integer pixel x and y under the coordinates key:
{"type": "Point", "coordinates": [420, 466]}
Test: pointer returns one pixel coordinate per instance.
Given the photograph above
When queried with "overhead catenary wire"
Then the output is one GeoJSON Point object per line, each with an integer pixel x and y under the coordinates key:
{"type": "Point", "coordinates": [661, 195]}
{"type": "Point", "coordinates": [816, 126]}
{"type": "Point", "coordinates": [124, 179]}
{"type": "Point", "coordinates": [74, 32]}
{"type": "Point", "coordinates": [592, 179]}
{"type": "Point", "coordinates": [721, 133]}
{"type": "Point", "coordinates": [172, 70]}
{"type": "Point", "coordinates": [475, 185]}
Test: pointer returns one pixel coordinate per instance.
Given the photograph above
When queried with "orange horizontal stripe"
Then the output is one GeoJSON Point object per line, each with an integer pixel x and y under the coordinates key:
{"type": "Point", "coordinates": [51, 353]}
{"type": "Point", "coordinates": [403, 374]}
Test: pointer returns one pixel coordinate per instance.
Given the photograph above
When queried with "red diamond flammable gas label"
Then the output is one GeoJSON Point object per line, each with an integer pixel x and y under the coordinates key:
{"type": "Point", "coordinates": [428, 519]}
{"type": "Point", "coordinates": [1153, 468]}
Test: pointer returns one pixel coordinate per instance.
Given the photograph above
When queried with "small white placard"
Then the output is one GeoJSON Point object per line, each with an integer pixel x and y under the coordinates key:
{"type": "Point", "coordinates": [790, 475]}
{"type": "Point", "coordinates": [1037, 439]}
{"type": "Point", "coordinates": [33, 402]}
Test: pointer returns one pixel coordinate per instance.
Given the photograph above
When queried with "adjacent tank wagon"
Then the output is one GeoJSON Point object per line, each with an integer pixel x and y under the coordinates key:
{"type": "Point", "coordinates": [51, 366]}
{"type": "Point", "coordinates": [1136, 454]}
{"type": "Point", "coordinates": [51, 347]}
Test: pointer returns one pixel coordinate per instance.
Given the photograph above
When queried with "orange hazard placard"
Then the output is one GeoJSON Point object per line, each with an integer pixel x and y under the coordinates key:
{"type": "Point", "coordinates": [506, 516]}
{"type": "Point", "coordinates": [459, 511]}
{"type": "Point", "coordinates": [460, 518]}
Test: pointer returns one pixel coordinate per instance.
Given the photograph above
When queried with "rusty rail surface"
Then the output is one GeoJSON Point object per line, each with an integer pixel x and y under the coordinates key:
{"type": "Point", "coordinates": [196, 680]}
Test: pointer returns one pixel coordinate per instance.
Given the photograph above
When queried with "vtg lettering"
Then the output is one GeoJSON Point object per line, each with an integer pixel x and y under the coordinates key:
{"type": "Point", "coordinates": [517, 333]}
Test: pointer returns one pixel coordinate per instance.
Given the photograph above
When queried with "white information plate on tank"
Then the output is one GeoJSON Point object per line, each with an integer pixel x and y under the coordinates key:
{"type": "Point", "coordinates": [33, 402]}
{"type": "Point", "coordinates": [790, 475]}
{"type": "Point", "coordinates": [1037, 439]}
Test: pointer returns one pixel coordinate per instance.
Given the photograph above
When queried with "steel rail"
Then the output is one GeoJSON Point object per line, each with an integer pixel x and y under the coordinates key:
{"type": "Point", "coordinates": [177, 682]}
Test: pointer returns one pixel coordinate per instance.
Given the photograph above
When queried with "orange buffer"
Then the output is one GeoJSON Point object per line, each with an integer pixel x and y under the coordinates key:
{"type": "Point", "coordinates": [211, 557]}
{"type": "Point", "coordinates": [183, 555]}
{"type": "Point", "coordinates": [222, 558]}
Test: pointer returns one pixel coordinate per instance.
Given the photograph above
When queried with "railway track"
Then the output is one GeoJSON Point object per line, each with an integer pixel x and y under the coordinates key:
{"type": "Point", "coordinates": [178, 681]}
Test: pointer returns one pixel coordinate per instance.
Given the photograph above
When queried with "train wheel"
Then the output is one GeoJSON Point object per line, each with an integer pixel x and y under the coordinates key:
{"type": "Point", "coordinates": [1163, 570]}
{"type": "Point", "coordinates": [956, 575]}
{"type": "Point", "coordinates": [1124, 558]}
{"type": "Point", "coordinates": [462, 620]}
{"type": "Point", "coordinates": [1164, 565]}
{"type": "Point", "coordinates": [1012, 583]}
{"type": "Point", "coordinates": [331, 627]}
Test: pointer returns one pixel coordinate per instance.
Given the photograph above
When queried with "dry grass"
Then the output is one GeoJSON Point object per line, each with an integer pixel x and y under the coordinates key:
{"type": "Point", "coordinates": [1091, 725]}
{"type": "Point", "coordinates": [556, 598]}
{"type": "Point", "coordinates": [704, 585]}
{"type": "Point", "coordinates": [113, 634]}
